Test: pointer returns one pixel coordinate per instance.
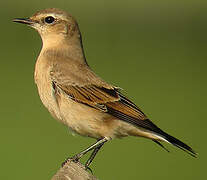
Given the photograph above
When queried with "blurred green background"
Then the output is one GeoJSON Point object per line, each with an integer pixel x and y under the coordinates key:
{"type": "Point", "coordinates": [154, 50]}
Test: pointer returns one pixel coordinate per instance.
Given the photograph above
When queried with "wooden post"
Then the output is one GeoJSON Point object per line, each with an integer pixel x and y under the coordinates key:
{"type": "Point", "coordinates": [73, 171]}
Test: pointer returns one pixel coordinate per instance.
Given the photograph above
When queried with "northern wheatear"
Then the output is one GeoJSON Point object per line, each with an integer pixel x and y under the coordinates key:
{"type": "Point", "coordinates": [76, 96]}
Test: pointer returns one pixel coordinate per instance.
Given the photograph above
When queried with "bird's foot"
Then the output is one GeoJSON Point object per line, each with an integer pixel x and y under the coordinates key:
{"type": "Point", "coordinates": [88, 169]}
{"type": "Point", "coordinates": [75, 159]}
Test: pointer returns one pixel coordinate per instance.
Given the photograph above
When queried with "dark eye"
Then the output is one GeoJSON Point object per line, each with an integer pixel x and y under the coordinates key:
{"type": "Point", "coordinates": [49, 19]}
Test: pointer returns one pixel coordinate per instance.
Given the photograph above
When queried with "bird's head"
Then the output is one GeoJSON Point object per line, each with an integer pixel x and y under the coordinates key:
{"type": "Point", "coordinates": [53, 24]}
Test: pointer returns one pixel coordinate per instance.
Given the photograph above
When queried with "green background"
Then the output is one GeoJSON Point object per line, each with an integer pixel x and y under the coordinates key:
{"type": "Point", "coordinates": [154, 50]}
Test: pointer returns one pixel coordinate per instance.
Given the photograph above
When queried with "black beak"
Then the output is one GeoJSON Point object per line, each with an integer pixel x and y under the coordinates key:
{"type": "Point", "coordinates": [24, 21]}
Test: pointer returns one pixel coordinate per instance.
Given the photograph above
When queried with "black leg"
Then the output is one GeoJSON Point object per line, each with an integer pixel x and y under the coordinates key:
{"type": "Point", "coordinates": [93, 154]}
{"type": "Point", "coordinates": [93, 146]}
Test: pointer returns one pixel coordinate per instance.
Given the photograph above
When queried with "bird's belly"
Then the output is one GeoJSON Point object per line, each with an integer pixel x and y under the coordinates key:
{"type": "Point", "coordinates": [79, 118]}
{"type": "Point", "coordinates": [88, 121]}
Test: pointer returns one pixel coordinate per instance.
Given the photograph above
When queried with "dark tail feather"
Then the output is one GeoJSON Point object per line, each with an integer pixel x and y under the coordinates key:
{"type": "Point", "coordinates": [157, 142]}
{"type": "Point", "coordinates": [178, 143]}
{"type": "Point", "coordinates": [147, 125]}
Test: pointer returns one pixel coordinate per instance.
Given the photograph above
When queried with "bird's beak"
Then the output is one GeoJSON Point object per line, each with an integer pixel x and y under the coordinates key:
{"type": "Point", "coordinates": [24, 21]}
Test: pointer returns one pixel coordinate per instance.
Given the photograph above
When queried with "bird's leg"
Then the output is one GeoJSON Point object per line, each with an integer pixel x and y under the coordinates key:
{"type": "Point", "coordinates": [93, 146]}
{"type": "Point", "coordinates": [79, 155]}
{"type": "Point", "coordinates": [92, 156]}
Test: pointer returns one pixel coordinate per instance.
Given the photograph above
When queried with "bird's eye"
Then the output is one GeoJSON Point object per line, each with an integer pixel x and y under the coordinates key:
{"type": "Point", "coordinates": [49, 19]}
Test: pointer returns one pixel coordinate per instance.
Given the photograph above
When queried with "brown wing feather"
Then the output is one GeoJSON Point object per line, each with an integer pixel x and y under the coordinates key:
{"type": "Point", "coordinates": [126, 109]}
{"type": "Point", "coordinates": [103, 97]}
{"type": "Point", "coordinates": [90, 95]}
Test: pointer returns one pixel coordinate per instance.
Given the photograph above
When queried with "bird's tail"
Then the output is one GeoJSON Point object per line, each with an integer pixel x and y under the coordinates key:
{"type": "Point", "coordinates": [174, 141]}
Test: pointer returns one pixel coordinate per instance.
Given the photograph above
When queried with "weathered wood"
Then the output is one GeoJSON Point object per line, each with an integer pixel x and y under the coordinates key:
{"type": "Point", "coordinates": [73, 171]}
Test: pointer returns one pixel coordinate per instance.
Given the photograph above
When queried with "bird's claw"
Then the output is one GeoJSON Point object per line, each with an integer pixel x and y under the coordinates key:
{"type": "Point", "coordinates": [75, 159]}
{"type": "Point", "coordinates": [63, 164]}
{"type": "Point", "coordinates": [88, 169]}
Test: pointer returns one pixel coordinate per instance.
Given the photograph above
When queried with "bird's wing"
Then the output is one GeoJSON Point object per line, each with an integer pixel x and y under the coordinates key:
{"type": "Point", "coordinates": [108, 100]}
{"type": "Point", "coordinates": [102, 98]}
{"type": "Point", "coordinates": [91, 95]}
{"type": "Point", "coordinates": [87, 88]}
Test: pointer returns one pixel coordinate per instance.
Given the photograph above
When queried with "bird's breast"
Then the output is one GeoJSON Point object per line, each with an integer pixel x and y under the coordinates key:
{"type": "Point", "coordinates": [45, 89]}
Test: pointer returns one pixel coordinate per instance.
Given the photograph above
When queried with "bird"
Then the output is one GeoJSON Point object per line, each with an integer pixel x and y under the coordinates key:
{"type": "Point", "coordinates": [77, 97]}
